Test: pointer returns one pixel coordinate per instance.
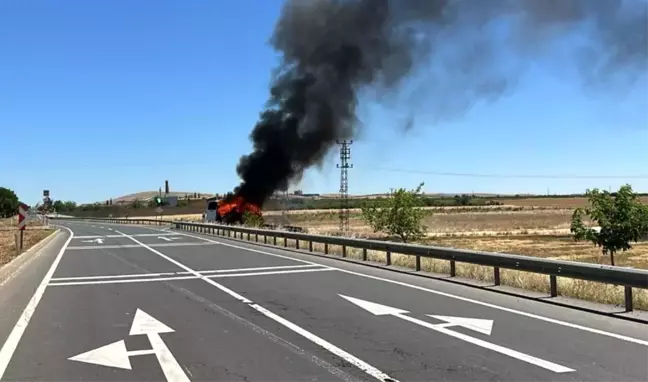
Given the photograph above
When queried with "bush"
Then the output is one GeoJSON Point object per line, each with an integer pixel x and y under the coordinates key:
{"type": "Point", "coordinates": [397, 215]}
{"type": "Point", "coordinates": [252, 220]}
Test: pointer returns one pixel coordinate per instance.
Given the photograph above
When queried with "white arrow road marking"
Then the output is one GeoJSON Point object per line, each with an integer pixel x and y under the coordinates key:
{"type": "Point", "coordinates": [168, 238]}
{"type": "Point", "coordinates": [477, 324]}
{"type": "Point", "coordinates": [111, 355]}
{"type": "Point", "coordinates": [143, 323]}
{"type": "Point", "coordinates": [97, 240]}
{"type": "Point", "coordinates": [383, 310]}
{"type": "Point", "coordinates": [116, 354]}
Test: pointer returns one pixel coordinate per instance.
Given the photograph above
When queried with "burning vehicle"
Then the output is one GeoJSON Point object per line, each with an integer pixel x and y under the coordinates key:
{"type": "Point", "coordinates": [231, 210]}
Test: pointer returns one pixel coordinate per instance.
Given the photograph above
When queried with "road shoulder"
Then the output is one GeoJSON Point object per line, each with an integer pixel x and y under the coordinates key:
{"type": "Point", "coordinates": [21, 280]}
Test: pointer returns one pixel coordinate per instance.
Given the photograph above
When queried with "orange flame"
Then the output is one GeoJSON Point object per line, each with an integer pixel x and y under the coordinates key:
{"type": "Point", "coordinates": [237, 205]}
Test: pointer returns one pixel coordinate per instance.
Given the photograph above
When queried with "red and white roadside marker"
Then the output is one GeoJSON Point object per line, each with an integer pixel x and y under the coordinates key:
{"type": "Point", "coordinates": [22, 216]}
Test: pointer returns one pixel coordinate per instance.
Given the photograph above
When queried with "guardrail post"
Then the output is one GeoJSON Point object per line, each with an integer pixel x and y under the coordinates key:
{"type": "Point", "coordinates": [418, 263]}
{"type": "Point", "coordinates": [388, 257]}
{"type": "Point", "coordinates": [297, 244]}
{"type": "Point", "coordinates": [344, 251]}
{"type": "Point", "coordinates": [285, 242]}
{"type": "Point", "coordinates": [553, 282]}
{"type": "Point", "coordinates": [256, 237]}
{"type": "Point", "coordinates": [326, 248]}
{"type": "Point", "coordinates": [628, 299]}
{"type": "Point", "coordinates": [364, 254]}
{"type": "Point", "coordinates": [265, 239]}
{"type": "Point", "coordinates": [310, 246]}
{"type": "Point", "coordinates": [274, 240]}
{"type": "Point", "coordinates": [453, 268]}
{"type": "Point", "coordinates": [248, 236]}
{"type": "Point", "coordinates": [496, 275]}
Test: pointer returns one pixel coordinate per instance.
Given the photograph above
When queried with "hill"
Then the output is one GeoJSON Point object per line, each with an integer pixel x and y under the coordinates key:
{"type": "Point", "coordinates": [148, 195]}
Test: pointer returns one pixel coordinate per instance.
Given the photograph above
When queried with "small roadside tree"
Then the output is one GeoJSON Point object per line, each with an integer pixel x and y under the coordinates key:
{"type": "Point", "coordinates": [252, 220]}
{"type": "Point", "coordinates": [621, 219]}
{"type": "Point", "coordinates": [8, 203]}
{"type": "Point", "coordinates": [397, 215]}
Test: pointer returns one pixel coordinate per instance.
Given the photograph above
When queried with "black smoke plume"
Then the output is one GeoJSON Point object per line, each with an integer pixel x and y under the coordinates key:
{"type": "Point", "coordinates": [468, 50]}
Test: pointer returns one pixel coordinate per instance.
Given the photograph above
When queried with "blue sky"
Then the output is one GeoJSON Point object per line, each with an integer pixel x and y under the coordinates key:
{"type": "Point", "coordinates": [104, 98]}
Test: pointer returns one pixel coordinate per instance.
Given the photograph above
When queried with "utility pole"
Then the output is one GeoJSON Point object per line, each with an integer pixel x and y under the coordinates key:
{"type": "Point", "coordinates": [344, 166]}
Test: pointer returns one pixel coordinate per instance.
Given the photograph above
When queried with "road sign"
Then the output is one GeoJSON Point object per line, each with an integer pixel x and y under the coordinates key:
{"type": "Point", "coordinates": [116, 355]}
{"type": "Point", "coordinates": [46, 193]}
{"type": "Point", "coordinates": [476, 324]}
{"type": "Point", "coordinates": [23, 216]}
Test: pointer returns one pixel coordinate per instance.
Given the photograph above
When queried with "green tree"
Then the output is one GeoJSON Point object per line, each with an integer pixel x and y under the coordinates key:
{"type": "Point", "coordinates": [621, 219]}
{"type": "Point", "coordinates": [252, 220]}
{"type": "Point", "coordinates": [69, 206]}
{"type": "Point", "coordinates": [58, 206]}
{"type": "Point", "coordinates": [8, 203]}
{"type": "Point", "coordinates": [397, 215]}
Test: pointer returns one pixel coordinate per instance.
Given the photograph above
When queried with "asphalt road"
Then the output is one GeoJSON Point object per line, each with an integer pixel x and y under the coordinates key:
{"type": "Point", "coordinates": [129, 303]}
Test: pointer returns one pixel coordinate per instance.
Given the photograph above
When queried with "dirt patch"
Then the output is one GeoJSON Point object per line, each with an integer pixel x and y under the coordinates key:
{"type": "Point", "coordinates": [8, 242]}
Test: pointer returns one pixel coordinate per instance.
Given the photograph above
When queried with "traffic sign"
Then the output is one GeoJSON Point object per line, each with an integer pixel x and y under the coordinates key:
{"type": "Point", "coordinates": [22, 216]}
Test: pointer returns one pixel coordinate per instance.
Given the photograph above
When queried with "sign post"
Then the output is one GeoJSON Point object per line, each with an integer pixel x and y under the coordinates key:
{"type": "Point", "coordinates": [22, 222]}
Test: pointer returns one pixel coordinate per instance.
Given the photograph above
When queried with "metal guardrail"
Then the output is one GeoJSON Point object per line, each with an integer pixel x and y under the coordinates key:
{"type": "Point", "coordinates": [626, 277]}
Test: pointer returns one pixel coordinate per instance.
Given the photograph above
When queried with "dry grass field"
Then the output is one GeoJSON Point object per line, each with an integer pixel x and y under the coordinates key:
{"type": "Point", "coordinates": [34, 233]}
{"type": "Point", "coordinates": [554, 202]}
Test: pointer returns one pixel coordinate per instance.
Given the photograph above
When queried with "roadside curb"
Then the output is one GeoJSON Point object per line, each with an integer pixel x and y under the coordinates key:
{"type": "Point", "coordinates": [9, 270]}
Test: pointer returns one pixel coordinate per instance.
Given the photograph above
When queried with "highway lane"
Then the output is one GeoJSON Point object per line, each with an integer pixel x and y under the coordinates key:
{"type": "Point", "coordinates": [172, 306]}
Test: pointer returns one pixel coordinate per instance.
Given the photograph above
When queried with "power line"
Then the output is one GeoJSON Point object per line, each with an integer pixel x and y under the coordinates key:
{"type": "Point", "coordinates": [344, 166]}
{"type": "Point", "coordinates": [512, 176]}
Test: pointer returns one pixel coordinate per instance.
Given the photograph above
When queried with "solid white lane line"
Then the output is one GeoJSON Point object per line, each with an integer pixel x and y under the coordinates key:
{"type": "Point", "coordinates": [253, 269]}
{"type": "Point", "coordinates": [122, 281]}
{"type": "Point", "coordinates": [362, 365]}
{"type": "Point", "coordinates": [90, 281]}
{"type": "Point", "coordinates": [135, 275]}
{"type": "Point", "coordinates": [10, 345]}
{"type": "Point", "coordinates": [270, 273]}
{"type": "Point", "coordinates": [445, 294]}
{"type": "Point", "coordinates": [118, 246]}
{"type": "Point", "coordinates": [117, 236]}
